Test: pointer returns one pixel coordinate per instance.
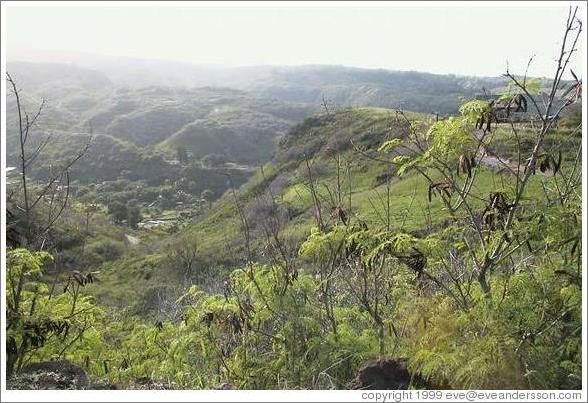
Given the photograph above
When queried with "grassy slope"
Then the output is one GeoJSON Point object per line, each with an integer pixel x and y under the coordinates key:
{"type": "Point", "coordinates": [219, 232]}
{"type": "Point", "coordinates": [408, 193]}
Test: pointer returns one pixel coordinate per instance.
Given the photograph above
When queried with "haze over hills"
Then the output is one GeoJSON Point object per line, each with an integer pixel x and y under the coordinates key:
{"type": "Point", "coordinates": [346, 86]}
{"type": "Point", "coordinates": [148, 111]}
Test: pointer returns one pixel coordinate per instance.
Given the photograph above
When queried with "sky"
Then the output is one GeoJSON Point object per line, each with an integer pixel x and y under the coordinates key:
{"type": "Point", "coordinates": [475, 41]}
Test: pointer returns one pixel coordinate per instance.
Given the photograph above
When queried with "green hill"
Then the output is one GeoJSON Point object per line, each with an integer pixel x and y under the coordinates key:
{"type": "Point", "coordinates": [329, 240]}
{"type": "Point", "coordinates": [347, 171]}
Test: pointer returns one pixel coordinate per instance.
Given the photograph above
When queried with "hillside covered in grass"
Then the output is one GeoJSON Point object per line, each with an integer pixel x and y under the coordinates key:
{"type": "Point", "coordinates": [341, 249]}
{"type": "Point", "coordinates": [339, 153]}
{"type": "Point", "coordinates": [312, 227]}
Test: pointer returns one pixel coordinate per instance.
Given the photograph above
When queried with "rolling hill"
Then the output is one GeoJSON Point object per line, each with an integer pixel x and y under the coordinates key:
{"type": "Point", "coordinates": [341, 151]}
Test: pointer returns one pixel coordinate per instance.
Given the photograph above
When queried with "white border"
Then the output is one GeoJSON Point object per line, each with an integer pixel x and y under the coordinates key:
{"type": "Point", "coordinates": [251, 396]}
{"type": "Point", "coordinates": [294, 4]}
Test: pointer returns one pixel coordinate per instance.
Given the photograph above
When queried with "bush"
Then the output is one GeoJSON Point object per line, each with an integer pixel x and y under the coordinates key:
{"type": "Point", "coordinates": [104, 250]}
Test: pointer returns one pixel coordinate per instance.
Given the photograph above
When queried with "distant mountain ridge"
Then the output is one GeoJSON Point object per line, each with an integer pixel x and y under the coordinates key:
{"type": "Point", "coordinates": [344, 86]}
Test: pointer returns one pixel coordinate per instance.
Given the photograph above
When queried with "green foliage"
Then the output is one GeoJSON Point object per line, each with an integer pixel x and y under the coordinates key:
{"type": "Point", "coordinates": [390, 145]}
{"type": "Point", "coordinates": [358, 290]}
{"type": "Point", "coordinates": [258, 335]}
{"type": "Point", "coordinates": [505, 342]}
{"type": "Point", "coordinates": [448, 140]}
{"type": "Point", "coordinates": [531, 85]}
{"type": "Point", "coordinates": [389, 272]}
{"type": "Point", "coordinates": [118, 210]}
{"type": "Point", "coordinates": [103, 250]}
{"type": "Point", "coordinates": [44, 323]}
{"type": "Point", "coordinates": [474, 110]}
{"type": "Point", "coordinates": [212, 160]}
{"type": "Point", "coordinates": [133, 215]}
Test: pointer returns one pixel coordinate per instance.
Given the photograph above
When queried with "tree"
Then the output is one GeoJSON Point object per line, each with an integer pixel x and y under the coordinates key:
{"type": "Point", "coordinates": [118, 211]}
{"type": "Point", "coordinates": [53, 195]}
{"type": "Point", "coordinates": [212, 160]}
{"type": "Point", "coordinates": [89, 211]}
{"type": "Point", "coordinates": [184, 256]}
{"type": "Point", "coordinates": [182, 154]}
{"type": "Point", "coordinates": [453, 149]}
{"type": "Point", "coordinates": [207, 195]}
{"type": "Point", "coordinates": [133, 215]}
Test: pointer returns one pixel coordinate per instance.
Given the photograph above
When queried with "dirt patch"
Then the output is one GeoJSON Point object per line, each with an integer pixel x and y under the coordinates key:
{"type": "Point", "coordinates": [384, 374]}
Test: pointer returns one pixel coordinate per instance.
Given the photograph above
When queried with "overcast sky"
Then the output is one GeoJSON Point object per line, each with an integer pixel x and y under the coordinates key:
{"type": "Point", "coordinates": [459, 40]}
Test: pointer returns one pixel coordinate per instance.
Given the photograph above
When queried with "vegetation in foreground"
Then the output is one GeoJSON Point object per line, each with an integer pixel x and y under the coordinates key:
{"type": "Point", "coordinates": [453, 245]}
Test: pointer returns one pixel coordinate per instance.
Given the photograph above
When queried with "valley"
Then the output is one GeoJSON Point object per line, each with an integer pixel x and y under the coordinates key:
{"type": "Point", "coordinates": [292, 227]}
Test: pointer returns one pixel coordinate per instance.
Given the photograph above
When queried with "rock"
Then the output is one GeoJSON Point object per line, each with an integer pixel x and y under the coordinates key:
{"type": "Point", "coordinates": [383, 374]}
{"type": "Point", "coordinates": [50, 375]}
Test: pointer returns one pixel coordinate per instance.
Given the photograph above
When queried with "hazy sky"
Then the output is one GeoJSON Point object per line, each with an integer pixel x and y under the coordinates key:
{"type": "Point", "coordinates": [460, 40]}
